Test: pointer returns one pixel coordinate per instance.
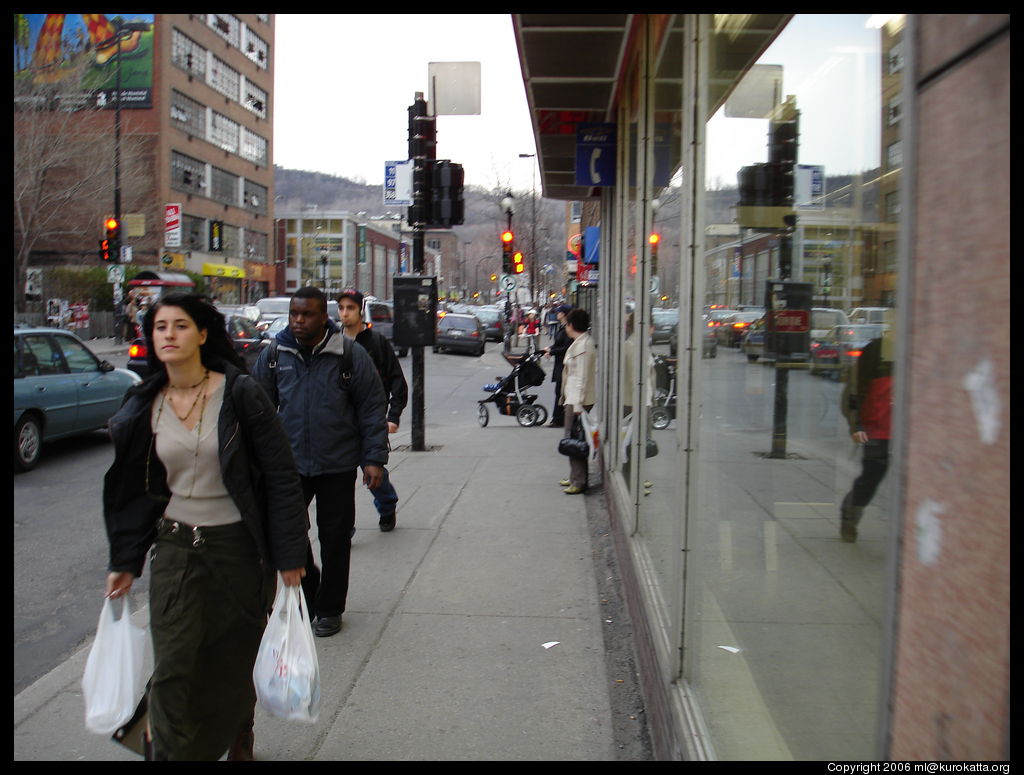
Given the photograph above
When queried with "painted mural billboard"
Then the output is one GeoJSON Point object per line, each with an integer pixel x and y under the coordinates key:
{"type": "Point", "coordinates": [87, 52]}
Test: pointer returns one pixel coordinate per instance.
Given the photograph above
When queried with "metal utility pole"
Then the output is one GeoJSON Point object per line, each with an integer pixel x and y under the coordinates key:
{"type": "Point", "coordinates": [422, 151]}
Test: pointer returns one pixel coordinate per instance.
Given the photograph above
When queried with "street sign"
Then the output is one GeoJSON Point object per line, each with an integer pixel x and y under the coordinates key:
{"type": "Point", "coordinates": [398, 183]}
{"type": "Point", "coordinates": [172, 225]}
{"type": "Point", "coordinates": [126, 254]}
{"type": "Point", "coordinates": [115, 273]}
{"type": "Point", "coordinates": [508, 282]}
{"type": "Point", "coordinates": [655, 284]}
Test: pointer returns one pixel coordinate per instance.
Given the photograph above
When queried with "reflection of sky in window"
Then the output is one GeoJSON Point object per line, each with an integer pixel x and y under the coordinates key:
{"type": "Point", "coordinates": [832, 65]}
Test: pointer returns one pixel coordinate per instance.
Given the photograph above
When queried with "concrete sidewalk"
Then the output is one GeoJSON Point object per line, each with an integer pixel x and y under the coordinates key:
{"type": "Point", "coordinates": [443, 652]}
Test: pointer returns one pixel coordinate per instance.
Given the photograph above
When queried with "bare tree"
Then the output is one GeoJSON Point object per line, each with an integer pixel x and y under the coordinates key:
{"type": "Point", "coordinates": [63, 169]}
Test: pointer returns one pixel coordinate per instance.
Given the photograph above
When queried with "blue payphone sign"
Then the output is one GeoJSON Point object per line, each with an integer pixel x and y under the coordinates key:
{"type": "Point", "coordinates": [595, 155]}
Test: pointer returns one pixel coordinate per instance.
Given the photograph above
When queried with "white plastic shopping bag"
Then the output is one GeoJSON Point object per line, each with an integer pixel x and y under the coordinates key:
{"type": "Point", "coordinates": [592, 431]}
{"type": "Point", "coordinates": [287, 673]}
{"type": "Point", "coordinates": [115, 674]}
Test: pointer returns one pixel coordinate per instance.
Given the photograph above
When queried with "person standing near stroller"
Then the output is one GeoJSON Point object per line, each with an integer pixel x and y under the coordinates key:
{"type": "Point", "coordinates": [396, 390]}
{"type": "Point", "coordinates": [557, 350]}
{"type": "Point", "coordinates": [578, 389]}
{"type": "Point", "coordinates": [203, 472]}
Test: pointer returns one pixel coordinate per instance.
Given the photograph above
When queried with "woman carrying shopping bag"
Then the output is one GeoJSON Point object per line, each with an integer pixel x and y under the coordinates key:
{"type": "Point", "coordinates": [203, 473]}
{"type": "Point", "coordinates": [578, 391]}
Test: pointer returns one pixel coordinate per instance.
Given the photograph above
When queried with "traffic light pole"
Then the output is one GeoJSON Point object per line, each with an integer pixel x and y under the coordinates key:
{"type": "Point", "coordinates": [421, 150]}
{"type": "Point", "coordinates": [118, 301]}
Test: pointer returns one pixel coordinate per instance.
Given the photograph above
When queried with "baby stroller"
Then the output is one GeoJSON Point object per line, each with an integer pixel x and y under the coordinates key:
{"type": "Point", "coordinates": [664, 409]}
{"type": "Point", "coordinates": [507, 394]}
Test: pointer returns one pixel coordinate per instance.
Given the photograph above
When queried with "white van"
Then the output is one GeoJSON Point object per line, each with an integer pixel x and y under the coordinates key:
{"type": "Point", "coordinates": [871, 315]}
{"type": "Point", "coordinates": [824, 319]}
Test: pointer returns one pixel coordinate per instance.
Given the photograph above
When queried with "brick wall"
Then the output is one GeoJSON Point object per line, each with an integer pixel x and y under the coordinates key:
{"type": "Point", "coordinates": [950, 689]}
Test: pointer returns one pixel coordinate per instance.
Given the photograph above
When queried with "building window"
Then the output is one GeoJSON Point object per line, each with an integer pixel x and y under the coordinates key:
{"type": "Point", "coordinates": [224, 132]}
{"type": "Point", "coordinates": [195, 232]}
{"type": "Point", "coordinates": [187, 114]}
{"type": "Point", "coordinates": [229, 241]}
{"type": "Point", "coordinates": [223, 186]}
{"type": "Point", "coordinates": [227, 26]}
{"type": "Point", "coordinates": [254, 196]}
{"type": "Point", "coordinates": [187, 54]}
{"type": "Point", "coordinates": [254, 147]}
{"type": "Point", "coordinates": [187, 174]}
{"type": "Point", "coordinates": [224, 79]}
{"type": "Point", "coordinates": [894, 110]}
{"type": "Point", "coordinates": [892, 206]}
{"type": "Point", "coordinates": [254, 98]}
{"type": "Point", "coordinates": [255, 245]}
{"type": "Point", "coordinates": [894, 155]}
{"type": "Point", "coordinates": [895, 58]}
{"type": "Point", "coordinates": [256, 48]}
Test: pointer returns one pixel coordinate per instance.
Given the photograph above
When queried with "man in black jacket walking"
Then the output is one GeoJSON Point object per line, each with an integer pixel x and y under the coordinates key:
{"type": "Point", "coordinates": [332, 406]}
{"type": "Point", "coordinates": [396, 390]}
{"type": "Point", "coordinates": [557, 350]}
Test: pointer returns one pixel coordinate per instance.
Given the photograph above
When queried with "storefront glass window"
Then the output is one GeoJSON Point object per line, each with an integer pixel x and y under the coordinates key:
{"type": "Point", "coordinates": [791, 536]}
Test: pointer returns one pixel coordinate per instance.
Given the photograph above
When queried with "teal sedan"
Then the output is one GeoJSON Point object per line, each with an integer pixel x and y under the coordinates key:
{"type": "Point", "coordinates": [61, 389]}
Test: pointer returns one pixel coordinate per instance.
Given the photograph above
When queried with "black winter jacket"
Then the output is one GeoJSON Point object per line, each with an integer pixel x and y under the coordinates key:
{"type": "Point", "coordinates": [333, 425]}
{"type": "Point", "coordinates": [388, 369]}
{"type": "Point", "coordinates": [256, 463]}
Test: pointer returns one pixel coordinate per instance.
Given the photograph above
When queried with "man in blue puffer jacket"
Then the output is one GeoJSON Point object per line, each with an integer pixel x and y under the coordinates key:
{"type": "Point", "coordinates": [332, 405]}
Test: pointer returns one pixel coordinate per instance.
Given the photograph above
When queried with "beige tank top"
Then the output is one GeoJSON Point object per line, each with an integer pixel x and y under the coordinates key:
{"type": "Point", "coordinates": [198, 495]}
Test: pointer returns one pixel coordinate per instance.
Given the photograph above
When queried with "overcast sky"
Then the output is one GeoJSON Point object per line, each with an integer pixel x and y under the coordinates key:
{"type": "Point", "coordinates": [344, 82]}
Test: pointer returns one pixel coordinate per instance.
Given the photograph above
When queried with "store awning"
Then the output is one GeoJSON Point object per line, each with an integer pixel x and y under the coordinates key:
{"type": "Point", "coordinates": [168, 279]}
{"type": "Point", "coordinates": [574, 66]}
{"type": "Point", "coordinates": [224, 270]}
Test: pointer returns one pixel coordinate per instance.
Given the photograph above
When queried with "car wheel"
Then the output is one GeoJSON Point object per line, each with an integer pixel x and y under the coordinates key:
{"type": "Point", "coordinates": [527, 415]}
{"type": "Point", "coordinates": [483, 416]}
{"type": "Point", "coordinates": [403, 352]}
{"type": "Point", "coordinates": [437, 349]}
{"type": "Point", "coordinates": [481, 350]}
{"type": "Point", "coordinates": [660, 417]}
{"type": "Point", "coordinates": [28, 443]}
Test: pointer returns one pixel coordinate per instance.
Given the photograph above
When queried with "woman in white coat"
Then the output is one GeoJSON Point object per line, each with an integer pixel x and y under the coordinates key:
{"type": "Point", "coordinates": [578, 390]}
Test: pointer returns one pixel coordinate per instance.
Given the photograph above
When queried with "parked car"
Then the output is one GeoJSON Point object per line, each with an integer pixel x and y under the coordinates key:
{"type": "Point", "coordinates": [276, 326]}
{"type": "Point", "coordinates": [841, 347]}
{"type": "Point", "coordinates": [460, 333]}
{"type": "Point", "coordinates": [61, 389]}
{"type": "Point", "coordinates": [709, 342]}
{"type": "Point", "coordinates": [494, 323]}
{"type": "Point", "coordinates": [381, 315]}
{"type": "Point", "coordinates": [824, 319]}
{"type": "Point", "coordinates": [752, 342]}
{"type": "Point", "coordinates": [251, 311]}
{"type": "Point", "coordinates": [663, 320]}
{"type": "Point", "coordinates": [871, 315]}
{"type": "Point", "coordinates": [714, 317]}
{"type": "Point", "coordinates": [732, 327]}
{"type": "Point", "coordinates": [248, 342]}
{"type": "Point", "coordinates": [273, 306]}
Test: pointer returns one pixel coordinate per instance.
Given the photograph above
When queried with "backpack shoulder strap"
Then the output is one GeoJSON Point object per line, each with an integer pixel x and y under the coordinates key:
{"type": "Point", "coordinates": [345, 368]}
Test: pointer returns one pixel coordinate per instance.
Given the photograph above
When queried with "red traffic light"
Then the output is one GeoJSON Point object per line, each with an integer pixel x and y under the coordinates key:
{"type": "Point", "coordinates": [654, 239]}
{"type": "Point", "coordinates": [111, 224]}
{"type": "Point", "coordinates": [506, 236]}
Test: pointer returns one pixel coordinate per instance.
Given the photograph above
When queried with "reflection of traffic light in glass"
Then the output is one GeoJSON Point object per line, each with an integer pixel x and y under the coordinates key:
{"type": "Point", "coordinates": [653, 241]}
{"type": "Point", "coordinates": [506, 251]}
{"type": "Point", "coordinates": [517, 262]}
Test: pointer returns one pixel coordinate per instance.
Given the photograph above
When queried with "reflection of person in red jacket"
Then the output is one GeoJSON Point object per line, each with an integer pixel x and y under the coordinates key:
{"type": "Point", "coordinates": [867, 404]}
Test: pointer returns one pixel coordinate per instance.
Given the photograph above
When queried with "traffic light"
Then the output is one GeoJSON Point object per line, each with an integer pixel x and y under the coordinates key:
{"type": "Point", "coordinates": [446, 198]}
{"type": "Point", "coordinates": [507, 250]}
{"type": "Point", "coordinates": [653, 241]}
{"type": "Point", "coordinates": [517, 263]}
{"type": "Point", "coordinates": [110, 246]}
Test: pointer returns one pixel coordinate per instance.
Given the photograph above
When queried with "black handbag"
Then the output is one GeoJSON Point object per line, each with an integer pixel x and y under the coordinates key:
{"type": "Point", "coordinates": [575, 444]}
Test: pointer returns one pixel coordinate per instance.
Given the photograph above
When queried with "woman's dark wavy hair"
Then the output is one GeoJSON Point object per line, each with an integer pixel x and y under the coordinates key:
{"type": "Point", "coordinates": [216, 351]}
{"type": "Point", "coordinates": [579, 319]}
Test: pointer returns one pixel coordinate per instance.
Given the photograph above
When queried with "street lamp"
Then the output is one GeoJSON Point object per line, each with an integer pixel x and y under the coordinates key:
{"type": "Point", "coordinates": [124, 31]}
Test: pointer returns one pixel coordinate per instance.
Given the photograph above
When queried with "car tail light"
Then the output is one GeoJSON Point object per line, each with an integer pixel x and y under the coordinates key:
{"type": "Point", "coordinates": [854, 353]}
{"type": "Point", "coordinates": [740, 325]}
{"type": "Point", "coordinates": [137, 351]}
{"type": "Point", "coordinates": [475, 333]}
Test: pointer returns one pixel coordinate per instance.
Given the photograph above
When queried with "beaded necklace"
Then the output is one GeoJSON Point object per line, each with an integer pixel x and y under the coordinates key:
{"type": "Point", "coordinates": [198, 429]}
